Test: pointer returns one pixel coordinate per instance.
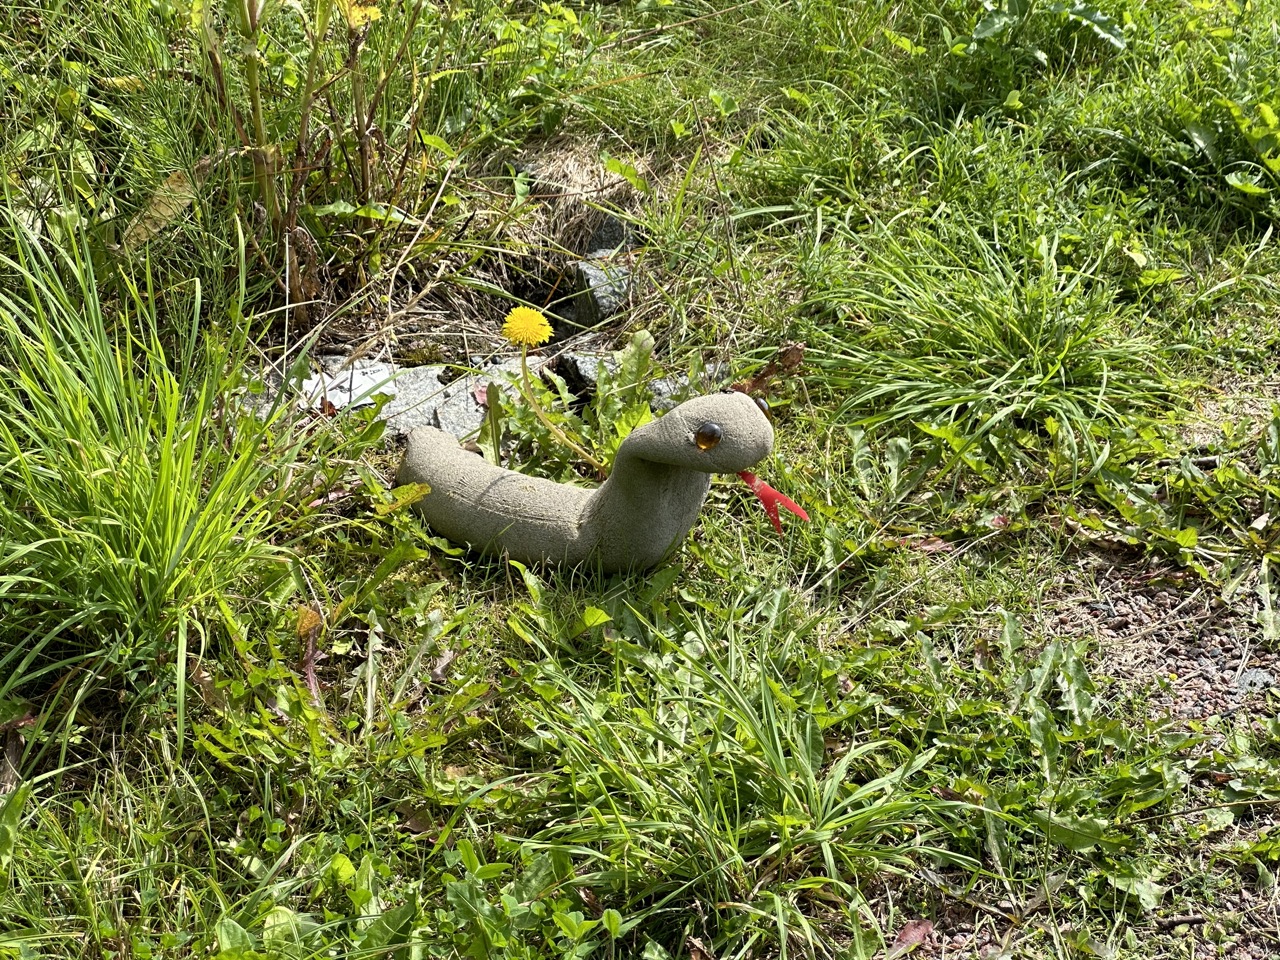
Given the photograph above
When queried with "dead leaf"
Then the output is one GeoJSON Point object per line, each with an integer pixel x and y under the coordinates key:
{"type": "Point", "coordinates": [982, 658]}
{"type": "Point", "coordinates": [1042, 896]}
{"type": "Point", "coordinates": [418, 820]}
{"type": "Point", "coordinates": [171, 198]}
{"type": "Point", "coordinates": [208, 687]}
{"type": "Point", "coordinates": [590, 901]}
{"type": "Point", "coordinates": [333, 496]}
{"type": "Point", "coordinates": [403, 496]}
{"type": "Point", "coordinates": [128, 84]}
{"type": "Point", "coordinates": [441, 666]}
{"type": "Point", "coordinates": [912, 934]}
{"type": "Point", "coordinates": [166, 205]}
{"type": "Point", "coordinates": [927, 544]}
{"type": "Point", "coordinates": [698, 950]}
{"type": "Point", "coordinates": [16, 714]}
{"type": "Point", "coordinates": [1261, 522]}
{"type": "Point", "coordinates": [790, 356]}
{"type": "Point", "coordinates": [10, 756]}
{"type": "Point", "coordinates": [310, 623]}
{"type": "Point", "coordinates": [785, 363]}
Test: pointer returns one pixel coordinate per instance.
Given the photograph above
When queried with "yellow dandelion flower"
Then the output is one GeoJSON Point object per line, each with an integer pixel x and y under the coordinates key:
{"type": "Point", "coordinates": [526, 327]}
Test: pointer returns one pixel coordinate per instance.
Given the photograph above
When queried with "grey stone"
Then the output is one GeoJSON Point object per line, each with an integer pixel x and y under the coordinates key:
{"type": "Point", "coordinates": [583, 369]}
{"type": "Point", "coordinates": [459, 412]}
{"type": "Point", "coordinates": [416, 393]}
{"type": "Point", "coordinates": [668, 391]}
{"type": "Point", "coordinates": [418, 397]}
{"type": "Point", "coordinates": [611, 235]}
{"type": "Point", "coordinates": [1255, 679]}
{"type": "Point", "coordinates": [601, 288]}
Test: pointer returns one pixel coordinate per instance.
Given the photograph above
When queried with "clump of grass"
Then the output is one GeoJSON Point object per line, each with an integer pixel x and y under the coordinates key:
{"type": "Point", "coordinates": [133, 498]}
{"type": "Point", "coordinates": [986, 342]}
{"type": "Point", "coordinates": [719, 791]}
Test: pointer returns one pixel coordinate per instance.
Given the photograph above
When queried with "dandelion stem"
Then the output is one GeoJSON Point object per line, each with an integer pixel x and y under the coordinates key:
{"type": "Point", "coordinates": [527, 388]}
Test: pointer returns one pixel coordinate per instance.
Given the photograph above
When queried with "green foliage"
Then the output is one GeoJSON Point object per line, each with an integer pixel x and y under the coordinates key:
{"type": "Point", "coordinates": [344, 116]}
{"type": "Point", "coordinates": [715, 761]}
{"type": "Point", "coordinates": [996, 347]}
{"type": "Point", "coordinates": [1005, 22]}
{"type": "Point", "coordinates": [699, 788]}
{"type": "Point", "coordinates": [301, 62]}
{"type": "Point", "coordinates": [1216, 512]}
{"type": "Point", "coordinates": [824, 144]}
{"type": "Point", "coordinates": [311, 895]}
{"type": "Point", "coordinates": [1261, 128]}
{"type": "Point", "coordinates": [138, 494]}
{"type": "Point", "coordinates": [535, 912]}
{"type": "Point", "coordinates": [619, 403]}
{"type": "Point", "coordinates": [11, 810]}
{"type": "Point", "coordinates": [1030, 741]}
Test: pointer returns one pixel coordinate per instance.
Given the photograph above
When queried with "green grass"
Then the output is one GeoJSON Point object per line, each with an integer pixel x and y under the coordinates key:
{"type": "Point", "coordinates": [140, 495]}
{"type": "Point", "coordinates": [987, 341]}
{"type": "Point", "coordinates": [704, 770]}
{"type": "Point", "coordinates": [255, 710]}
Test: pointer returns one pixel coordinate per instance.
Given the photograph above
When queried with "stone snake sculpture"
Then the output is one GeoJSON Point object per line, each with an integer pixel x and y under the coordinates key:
{"type": "Point", "coordinates": [660, 478]}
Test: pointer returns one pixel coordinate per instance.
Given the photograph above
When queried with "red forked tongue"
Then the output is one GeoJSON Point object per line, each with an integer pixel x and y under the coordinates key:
{"type": "Point", "coordinates": [771, 499]}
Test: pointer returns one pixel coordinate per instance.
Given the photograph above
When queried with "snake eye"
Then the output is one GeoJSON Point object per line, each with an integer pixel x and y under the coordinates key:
{"type": "Point", "coordinates": [708, 435]}
{"type": "Point", "coordinates": [763, 404]}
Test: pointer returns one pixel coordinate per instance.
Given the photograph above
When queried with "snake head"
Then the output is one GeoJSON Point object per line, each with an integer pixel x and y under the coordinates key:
{"type": "Point", "coordinates": [718, 433]}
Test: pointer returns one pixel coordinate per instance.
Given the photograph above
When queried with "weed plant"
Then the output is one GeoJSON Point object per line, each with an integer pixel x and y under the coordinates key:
{"type": "Point", "coordinates": [139, 496]}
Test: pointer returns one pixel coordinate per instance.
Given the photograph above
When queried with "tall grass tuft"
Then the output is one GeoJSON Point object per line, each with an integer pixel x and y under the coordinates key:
{"type": "Point", "coordinates": [719, 790]}
{"type": "Point", "coordinates": [992, 343]}
{"type": "Point", "coordinates": [133, 499]}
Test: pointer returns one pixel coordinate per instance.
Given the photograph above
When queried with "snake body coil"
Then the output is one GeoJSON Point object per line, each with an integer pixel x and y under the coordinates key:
{"type": "Point", "coordinates": [635, 518]}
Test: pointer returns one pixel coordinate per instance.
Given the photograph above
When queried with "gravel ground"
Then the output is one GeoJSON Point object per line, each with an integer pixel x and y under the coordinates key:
{"type": "Point", "coordinates": [1165, 642]}
{"type": "Point", "coordinates": [1171, 639]}
{"type": "Point", "coordinates": [1243, 930]}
